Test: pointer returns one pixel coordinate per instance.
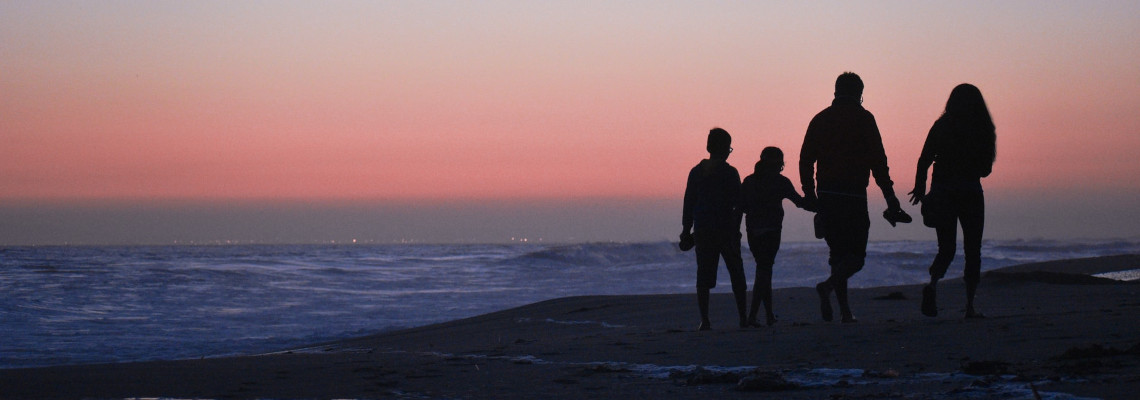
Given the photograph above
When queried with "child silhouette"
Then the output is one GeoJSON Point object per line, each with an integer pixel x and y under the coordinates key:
{"type": "Point", "coordinates": [762, 194]}
{"type": "Point", "coordinates": [711, 222]}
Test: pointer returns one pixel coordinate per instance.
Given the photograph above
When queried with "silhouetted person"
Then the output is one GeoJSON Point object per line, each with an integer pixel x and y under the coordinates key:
{"type": "Point", "coordinates": [962, 147]}
{"type": "Point", "coordinates": [762, 195]}
{"type": "Point", "coordinates": [711, 219]}
{"type": "Point", "coordinates": [844, 141]}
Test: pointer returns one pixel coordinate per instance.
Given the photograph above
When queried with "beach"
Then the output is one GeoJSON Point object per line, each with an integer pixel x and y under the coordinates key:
{"type": "Point", "coordinates": [1052, 330]}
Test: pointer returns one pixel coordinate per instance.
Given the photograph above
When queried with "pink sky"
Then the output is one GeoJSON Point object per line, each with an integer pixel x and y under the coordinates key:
{"type": "Point", "coordinates": [462, 100]}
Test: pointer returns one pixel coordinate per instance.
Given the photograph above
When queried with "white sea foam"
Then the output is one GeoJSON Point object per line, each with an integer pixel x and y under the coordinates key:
{"type": "Point", "coordinates": [171, 302]}
{"type": "Point", "coordinates": [1127, 275]}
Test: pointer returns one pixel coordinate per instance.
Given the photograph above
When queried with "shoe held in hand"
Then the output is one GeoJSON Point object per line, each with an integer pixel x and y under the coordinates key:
{"type": "Point", "coordinates": [897, 215]}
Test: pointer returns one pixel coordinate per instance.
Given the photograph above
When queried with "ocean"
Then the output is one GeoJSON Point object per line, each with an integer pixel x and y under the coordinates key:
{"type": "Point", "coordinates": [63, 305]}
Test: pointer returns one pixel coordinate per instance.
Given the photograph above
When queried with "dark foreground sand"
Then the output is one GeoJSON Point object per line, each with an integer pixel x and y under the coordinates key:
{"type": "Point", "coordinates": [1050, 329]}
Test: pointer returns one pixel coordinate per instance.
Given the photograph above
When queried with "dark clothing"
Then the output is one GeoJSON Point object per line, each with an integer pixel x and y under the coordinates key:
{"type": "Point", "coordinates": [846, 223]}
{"type": "Point", "coordinates": [959, 165]}
{"type": "Point", "coordinates": [761, 198]}
{"type": "Point", "coordinates": [762, 195]}
{"type": "Point", "coordinates": [764, 247]}
{"type": "Point", "coordinates": [844, 140]}
{"type": "Point", "coordinates": [712, 196]}
{"type": "Point", "coordinates": [969, 208]}
{"type": "Point", "coordinates": [713, 245]}
{"type": "Point", "coordinates": [712, 213]}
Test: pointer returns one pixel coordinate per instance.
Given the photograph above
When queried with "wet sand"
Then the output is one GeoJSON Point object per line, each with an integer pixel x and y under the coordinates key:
{"type": "Point", "coordinates": [1050, 329]}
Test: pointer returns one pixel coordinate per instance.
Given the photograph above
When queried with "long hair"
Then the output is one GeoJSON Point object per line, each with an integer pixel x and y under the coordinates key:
{"type": "Point", "coordinates": [967, 110]}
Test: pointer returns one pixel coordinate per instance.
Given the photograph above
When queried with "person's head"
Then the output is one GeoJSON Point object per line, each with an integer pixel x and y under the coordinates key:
{"type": "Point", "coordinates": [848, 84]}
{"type": "Point", "coordinates": [967, 108]}
{"type": "Point", "coordinates": [719, 143]}
{"type": "Point", "coordinates": [966, 102]}
{"type": "Point", "coordinates": [771, 160]}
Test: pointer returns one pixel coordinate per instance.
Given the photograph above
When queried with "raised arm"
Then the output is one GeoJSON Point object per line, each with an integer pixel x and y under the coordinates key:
{"type": "Point", "coordinates": [789, 192]}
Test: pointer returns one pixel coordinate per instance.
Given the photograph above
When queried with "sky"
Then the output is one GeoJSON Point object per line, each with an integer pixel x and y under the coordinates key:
{"type": "Point", "coordinates": [441, 121]}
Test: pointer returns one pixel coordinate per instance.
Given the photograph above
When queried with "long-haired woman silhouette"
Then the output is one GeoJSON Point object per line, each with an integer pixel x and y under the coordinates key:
{"type": "Point", "coordinates": [962, 147]}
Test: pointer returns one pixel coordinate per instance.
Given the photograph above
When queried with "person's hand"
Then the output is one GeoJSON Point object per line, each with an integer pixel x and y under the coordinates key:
{"type": "Point", "coordinates": [916, 195]}
{"type": "Point", "coordinates": [810, 207]}
{"type": "Point", "coordinates": [893, 203]}
{"type": "Point", "coordinates": [686, 241]}
{"type": "Point", "coordinates": [811, 203]}
{"type": "Point", "coordinates": [896, 215]}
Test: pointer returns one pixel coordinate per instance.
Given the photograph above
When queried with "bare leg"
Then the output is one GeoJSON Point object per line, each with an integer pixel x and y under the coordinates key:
{"type": "Point", "coordinates": [755, 309]}
{"type": "Point", "coordinates": [841, 298]}
{"type": "Point", "coordinates": [947, 242]}
{"type": "Point", "coordinates": [973, 223]}
{"type": "Point", "coordinates": [766, 294]}
{"type": "Point", "coordinates": [761, 295]}
{"type": "Point", "coordinates": [971, 289]}
{"type": "Point", "coordinates": [703, 303]}
{"type": "Point", "coordinates": [824, 290]}
{"type": "Point", "coordinates": [929, 299]}
{"type": "Point", "coordinates": [742, 305]}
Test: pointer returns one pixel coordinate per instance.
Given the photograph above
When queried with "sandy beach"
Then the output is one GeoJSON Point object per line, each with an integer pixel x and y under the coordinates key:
{"type": "Point", "coordinates": [1051, 331]}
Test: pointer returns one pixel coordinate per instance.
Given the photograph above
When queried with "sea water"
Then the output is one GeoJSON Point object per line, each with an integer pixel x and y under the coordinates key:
{"type": "Point", "coordinates": [72, 304]}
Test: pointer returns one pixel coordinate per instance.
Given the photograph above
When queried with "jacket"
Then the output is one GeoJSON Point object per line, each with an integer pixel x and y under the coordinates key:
{"type": "Point", "coordinates": [712, 195]}
{"type": "Point", "coordinates": [844, 141]}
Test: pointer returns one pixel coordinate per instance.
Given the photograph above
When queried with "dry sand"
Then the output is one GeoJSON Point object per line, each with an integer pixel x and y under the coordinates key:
{"type": "Point", "coordinates": [1049, 329]}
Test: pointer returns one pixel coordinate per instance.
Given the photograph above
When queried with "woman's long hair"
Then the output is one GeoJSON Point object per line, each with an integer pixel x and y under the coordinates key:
{"type": "Point", "coordinates": [966, 110]}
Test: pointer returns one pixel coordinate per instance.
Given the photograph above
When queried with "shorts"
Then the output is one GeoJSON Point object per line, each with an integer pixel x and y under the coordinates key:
{"type": "Point", "coordinates": [713, 246]}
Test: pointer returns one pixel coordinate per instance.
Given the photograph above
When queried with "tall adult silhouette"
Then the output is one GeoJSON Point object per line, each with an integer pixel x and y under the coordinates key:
{"type": "Point", "coordinates": [711, 221]}
{"type": "Point", "coordinates": [962, 147]}
{"type": "Point", "coordinates": [844, 141]}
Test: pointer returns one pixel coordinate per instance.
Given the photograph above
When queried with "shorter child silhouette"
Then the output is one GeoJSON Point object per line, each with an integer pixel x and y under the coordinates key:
{"type": "Point", "coordinates": [762, 194]}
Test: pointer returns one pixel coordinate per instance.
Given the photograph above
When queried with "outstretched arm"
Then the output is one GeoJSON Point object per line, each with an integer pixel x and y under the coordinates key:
{"type": "Point", "coordinates": [925, 159]}
{"type": "Point", "coordinates": [791, 194]}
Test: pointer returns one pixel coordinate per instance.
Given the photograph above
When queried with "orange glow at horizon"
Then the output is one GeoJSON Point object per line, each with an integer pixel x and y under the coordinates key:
{"type": "Point", "coordinates": [552, 100]}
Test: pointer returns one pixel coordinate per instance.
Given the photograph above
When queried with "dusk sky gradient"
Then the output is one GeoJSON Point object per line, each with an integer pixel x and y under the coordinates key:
{"type": "Point", "coordinates": [414, 102]}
